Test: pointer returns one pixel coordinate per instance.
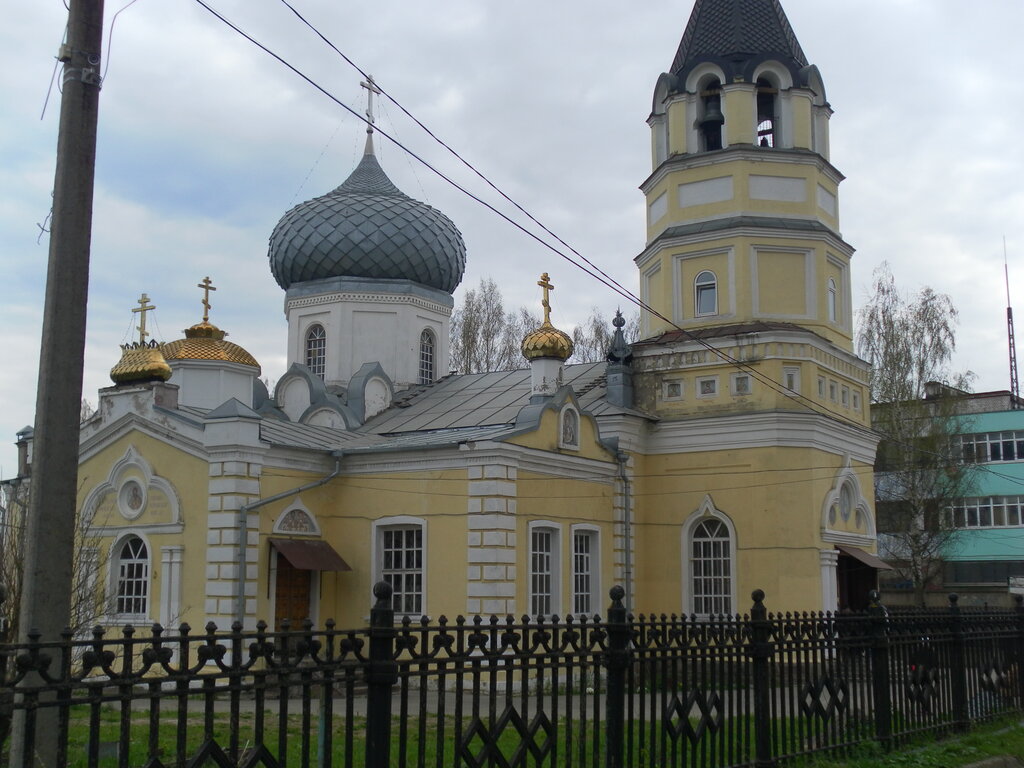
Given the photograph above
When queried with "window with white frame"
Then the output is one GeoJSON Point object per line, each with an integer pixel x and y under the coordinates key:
{"type": "Point", "coordinates": [833, 301]}
{"type": "Point", "coordinates": [791, 379]}
{"type": "Point", "coordinates": [821, 386]}
{"type": "Point", "coordinates": [584, 572]}
{"type": "Point", "coordinates": [132, 572]}
{"type": "Point", "coordinates": [985, 447]}
{"type": "Point", "coordinates": [543, 570]}
{"type": "Point", "coordinates": [844, 396]}
{"type": "Point", "coordinates": [707, 386]}
{"type": "Point", "coordinates": [989, 512]}
{"type": "Point", "coordinates": [741, 384]}
{"type": "Point", "coordinates": [316, 350]}
{"type": "Point", "coordinates": [833, 391]}
{"type": "Point", "coordinates": [400, 554]}
{"type": "Point", "coordinates": [672, 389]}
{"type": "Point", "coordinates": [711, 567]}
{"type": "Point", "coordinates": [705, 294]}
{"type": "Point", "coordinates": [427, 373]}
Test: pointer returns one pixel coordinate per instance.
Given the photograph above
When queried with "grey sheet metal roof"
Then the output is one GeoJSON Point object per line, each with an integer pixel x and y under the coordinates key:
{"type": "Point", "coordinates": [484, 399]}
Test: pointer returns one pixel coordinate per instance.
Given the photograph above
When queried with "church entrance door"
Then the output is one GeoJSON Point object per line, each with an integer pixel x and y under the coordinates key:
{"type": "Point", "coordinates": [291, 595]}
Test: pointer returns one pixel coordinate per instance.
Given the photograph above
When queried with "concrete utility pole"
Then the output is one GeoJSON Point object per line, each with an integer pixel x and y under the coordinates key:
{"type": "Point", "coordinates": [49, 541]}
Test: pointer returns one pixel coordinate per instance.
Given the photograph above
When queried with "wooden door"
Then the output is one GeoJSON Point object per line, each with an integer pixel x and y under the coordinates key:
{"type": "Point", "coordinates": [291, 595]}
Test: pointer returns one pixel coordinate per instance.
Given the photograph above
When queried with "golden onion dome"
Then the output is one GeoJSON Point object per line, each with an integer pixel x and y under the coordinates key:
{"type": "Point", "coordinates": [205, 341]}
{"type": "Point", "coordinates": [547, 341]}
{"type": "Point", "coordinates": [140, 362]}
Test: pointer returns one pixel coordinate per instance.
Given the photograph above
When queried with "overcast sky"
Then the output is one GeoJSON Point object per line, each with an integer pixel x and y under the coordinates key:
{"type": "Point", "coordinates": [205, 141]}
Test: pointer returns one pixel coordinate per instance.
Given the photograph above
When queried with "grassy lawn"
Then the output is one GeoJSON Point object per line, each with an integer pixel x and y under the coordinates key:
{"type": "Point", "coordinates": [1001, 738]}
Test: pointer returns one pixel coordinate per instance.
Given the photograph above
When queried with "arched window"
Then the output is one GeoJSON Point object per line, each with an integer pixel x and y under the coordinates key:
{"type": "Point", "coordinates": [711, 571]}
{"type": "Point", "coordinates": [426, 357]}
{"type": "Point", "coordinates": [705, 294]}
{"type": "Point", "coordinates": [767, 113]}
{"type": "Point", "coordinates": [711, 117]}
{"type": "Point", "coordinates": [132, 570]}
{"type": "Point", "coordinates": [316, 350]}
{"type": "Point", "coordinates": [833, 301]}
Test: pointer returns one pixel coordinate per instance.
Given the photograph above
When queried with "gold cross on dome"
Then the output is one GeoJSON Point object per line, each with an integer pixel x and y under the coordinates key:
{"type": "Point", "coordinates": [371, 88]}
{"type": "Point", "coordinates": [545, 283]}
{"type": "Point", "coordinates": [207, 286]}
{"type": "Point", "coordinates": [142, 309]}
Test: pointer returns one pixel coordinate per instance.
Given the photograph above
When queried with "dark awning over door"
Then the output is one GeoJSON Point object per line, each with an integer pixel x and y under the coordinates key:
{"type": "Point", "coordinates": [873, 561]}
{"type": "Point", "coordinates": [310, 554]}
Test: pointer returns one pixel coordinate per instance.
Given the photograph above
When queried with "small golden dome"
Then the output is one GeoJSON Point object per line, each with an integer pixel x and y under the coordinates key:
{"type": "Point", "coordinates": [205, 341]}
{"type": "Point", "coordinates": [141, 361]}
{"type": "Point", "coordinates": [547, 341]}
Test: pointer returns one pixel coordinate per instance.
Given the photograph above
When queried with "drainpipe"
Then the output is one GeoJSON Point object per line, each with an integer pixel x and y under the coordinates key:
{"type": "Point", "coordinates": [622, 458]}
{"type": "Point", "coordinates": [243, 527]}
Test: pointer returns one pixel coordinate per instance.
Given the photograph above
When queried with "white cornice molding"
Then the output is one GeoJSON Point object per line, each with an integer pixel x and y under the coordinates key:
{"type": "Point", "coordinates": [340, 297]}
{"type": "Point", "coordinates": [106, 433]}
{"type": "Point", "coordinates": [766, 429]}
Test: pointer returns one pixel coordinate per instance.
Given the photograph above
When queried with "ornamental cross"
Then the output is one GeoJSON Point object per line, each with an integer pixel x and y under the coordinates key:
{"type": "Point", "coordinates": [545, 283]}
{"type": "Point", "coordinates": [142, 309]}
{"type": "Point", "coordinates": [371, 88]}
{"type": "Point", "coordinates": [207, 286]}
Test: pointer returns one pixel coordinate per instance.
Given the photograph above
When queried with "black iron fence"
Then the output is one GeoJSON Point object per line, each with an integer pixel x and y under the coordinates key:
{"type": "Point", "coordinates": [619, 691]}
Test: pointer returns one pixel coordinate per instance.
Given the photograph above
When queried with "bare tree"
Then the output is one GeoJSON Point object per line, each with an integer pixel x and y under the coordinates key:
{"type": "Point", "coordinates": [484, 337]}
{"type": "Point", "coordinates": [593, 338]}
{"type": "Point", "coordinates": [919, 476]}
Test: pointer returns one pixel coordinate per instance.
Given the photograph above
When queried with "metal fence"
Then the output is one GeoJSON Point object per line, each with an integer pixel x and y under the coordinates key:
{"type": "Point", "coordinates": [620, 690]}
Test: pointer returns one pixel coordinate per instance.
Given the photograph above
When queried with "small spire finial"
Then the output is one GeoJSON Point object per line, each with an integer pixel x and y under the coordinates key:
{"type": "Point", "coordinates": [207, 286]}
{"type": "Point", "coordinates": [371, 88]}
{"type": "Point", "coordinates": [545, 283]}
{"type": "Point", "coordinates": [142, 309]}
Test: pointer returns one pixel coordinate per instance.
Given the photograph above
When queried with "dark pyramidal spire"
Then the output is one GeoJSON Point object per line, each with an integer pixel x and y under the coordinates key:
{"type": "Point", "coordinates": [737, 35]}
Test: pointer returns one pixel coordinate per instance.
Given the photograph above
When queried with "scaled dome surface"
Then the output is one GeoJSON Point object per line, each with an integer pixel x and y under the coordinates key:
{"type": "Point", "coordinates": [367, 228]}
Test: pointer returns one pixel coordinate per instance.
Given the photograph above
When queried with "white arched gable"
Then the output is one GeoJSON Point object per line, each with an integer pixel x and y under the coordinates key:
{"type": "Point", "coordinates": [294, 397]}
{"type": "Point", "coordinates": [296, 519]}
{"type": "Point", "coordinates": [703, 73]}
{"type": "Point", "coordinates": [843, 506]}
{"type": "Point", "coordinates": [124, 471]}
{"type": "Point", "coordinates": [775, 73]}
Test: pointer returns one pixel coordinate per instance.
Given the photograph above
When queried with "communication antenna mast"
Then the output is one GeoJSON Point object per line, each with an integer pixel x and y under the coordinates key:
{"type": "Point", "coordinates": [1014, 386]}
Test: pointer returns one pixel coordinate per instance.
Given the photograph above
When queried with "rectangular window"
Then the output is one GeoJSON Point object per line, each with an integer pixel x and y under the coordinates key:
{"type": "Point", "coordinates": [846, 397]}
{"type": "Point", "coordinates": [992, 446]}
{"type": "Point", "coordinates": [988, 512]}
{"type": "Point", "coordinates": [542, 571]}
{"type": "Point", "coordinates": [402, 567]}
{"type": "Point", "coordinates": [821, 386]}
{"type": "Point", "coordinates": [856, 401]}
{"type": "Point", "coordinates": [833, 391]}
{"type": "Point", "coordinates": [584, 576]}
{"type": "Point", "coordinates": [791, 379]}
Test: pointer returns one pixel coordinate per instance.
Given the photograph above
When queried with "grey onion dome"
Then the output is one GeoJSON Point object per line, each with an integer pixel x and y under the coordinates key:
{"type": "Point", "coordinates": [367, 228]}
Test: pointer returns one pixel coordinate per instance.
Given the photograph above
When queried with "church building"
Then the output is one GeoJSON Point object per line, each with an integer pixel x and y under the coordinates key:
{"type": "Point", "coordinates": [729, 449]}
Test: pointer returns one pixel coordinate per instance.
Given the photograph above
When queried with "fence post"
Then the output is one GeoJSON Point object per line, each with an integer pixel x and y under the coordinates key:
{"type": "Point", "coordinates": [1018, 660]}
{"type": "Point", "coordinates": [381, 675]}
{"type": "Point", "coordinates": [880, 672]}
{"type": "Point", "coordinates": [760, 651]}
{"type": "Point", "coordinates": [958, 666]}
{"type": "Point", "coordinates": [616, 662]}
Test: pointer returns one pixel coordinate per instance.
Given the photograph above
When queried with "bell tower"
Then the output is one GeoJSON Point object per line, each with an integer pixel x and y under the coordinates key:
{"type": "Point", "coordinates": [747, 356]}
{"type": "Point", "coordinates": [742, 203]}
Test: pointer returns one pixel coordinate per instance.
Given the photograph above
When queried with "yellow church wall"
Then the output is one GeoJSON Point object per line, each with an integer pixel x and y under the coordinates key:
{"type": "Point", "coordinates": [677, 127]}
{"type": "Point", "coordinates": [777, 552]}
{"type": "Point", "coordinates": [801, 112]}
{"type": "Point", "coordinates": [346, 509]}
{"type": "Point", "coordinates": [546, 438]}
{"type": "Point", "coordinates": [782, 278]}
{"type": "Point", "coordinates": [738, 106]}
{"type": "Point", "coordinates": [187, 476]}
{"type": "Point", "coordinates": [565, 502]}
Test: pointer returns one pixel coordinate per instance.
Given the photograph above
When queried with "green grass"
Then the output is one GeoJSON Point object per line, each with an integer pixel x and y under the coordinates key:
{"type": "Point", "coordinates": [1004, 737]}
